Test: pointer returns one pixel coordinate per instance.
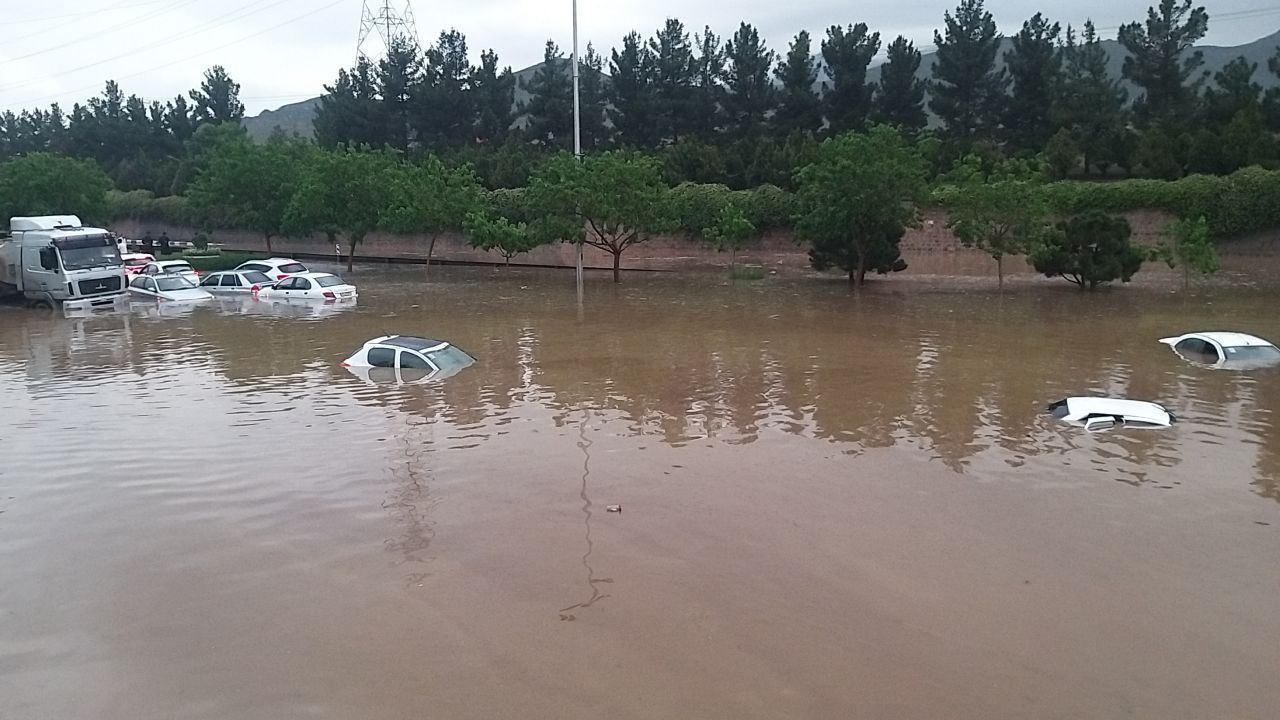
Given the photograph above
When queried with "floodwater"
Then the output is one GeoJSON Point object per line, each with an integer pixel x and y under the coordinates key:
{"type": "Point", "coordinates": [832, 506]}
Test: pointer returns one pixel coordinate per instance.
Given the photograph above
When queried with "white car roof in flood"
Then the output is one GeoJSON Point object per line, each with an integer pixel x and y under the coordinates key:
{"type": "Point", "coordinates": [1080, 409]}
{"type": "Point", "coordinates": [1225, 339]}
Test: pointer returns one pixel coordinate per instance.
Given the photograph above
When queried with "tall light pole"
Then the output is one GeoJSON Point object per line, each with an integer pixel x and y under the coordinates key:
{"type": "Point", "coordinates": [577, 129]}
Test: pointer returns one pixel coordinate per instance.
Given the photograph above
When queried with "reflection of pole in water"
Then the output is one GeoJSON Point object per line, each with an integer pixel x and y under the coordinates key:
{"type": "Point", "coordinates": [410, 502]}
{"type": "Point", "coordinates": [585, 444]}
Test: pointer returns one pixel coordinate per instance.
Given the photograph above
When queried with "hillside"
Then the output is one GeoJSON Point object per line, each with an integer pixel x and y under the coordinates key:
{"type": "Point", "coordinates": [297, 117]}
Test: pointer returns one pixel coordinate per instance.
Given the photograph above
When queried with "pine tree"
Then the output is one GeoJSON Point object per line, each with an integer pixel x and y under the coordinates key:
{"type": "Point", "coordinates": [750, 93]}
{"type": "Point", "coordinates": [1089, 102]}
{"type": "Point", "coordinates": [351, 110]}
{"type": "Point", "coordinates": [968, 91]}
{"type": "Point", "coordinates": [632, 93]}
{"type": "Point", "coordinates": [591, 97]}
{"type": "Point", "coordinates": [672, 78]}
{"type": "Point", "coordinates": [1162, 61]}
{"type": "Point", "coordinates": [549, 110]}
{"type": "Point", "coordinates": [445, 113]}
{"type": "Point", "coordinates": [218, 99]}
{"type": "Point", "coordinates": [1034, 65]}
{"type": "Point", "coordinates": [492, 96]}
{"type": "Point", "coordinates": [899, 99]}
{"type": "Point", "coordinates": [799, 107]}
{"type": "Point", "coordinates": [705, 107]}
{"type": "Point", "coordinates": [846, 53]}
{"type": "Point", "coordinates": [398, 74]}
{"type": "Point", "coordinates": [1233, 90]}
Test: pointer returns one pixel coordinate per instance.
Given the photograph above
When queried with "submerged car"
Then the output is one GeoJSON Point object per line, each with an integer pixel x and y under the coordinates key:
{"type": "Point", "coordinates": [310, 286]}
{"type": "Point", "coordinates": [235, 282]}
{"type": "Point", "coordinates": [135, 262]}
{"type": "Point", "coordinates": [276, 268]}
{"type": "Point", "coordinates": [181, 268]}
{"type": "Point", "coordinates": [174, 288]}
{"type": "Point", "coordinates": [403, 358]}
{"type": "Point", "coordinates": [1228, 350]}
{"type": "Point", "coordinates": [1096, 414]}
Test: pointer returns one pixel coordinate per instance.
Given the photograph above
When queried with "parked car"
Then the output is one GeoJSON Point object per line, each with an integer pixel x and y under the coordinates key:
{"type": "Point", "coordinates": [402, 358]}
{"type": "Point", "coordinates": [276, 268]}
{"type": "Point", "coordinates": [1229, 350]}
{"type": "Point", "coordinates": [310, 286]}
{"type": "Point", "coordinates": [236, 281]}
{"type": "Point", "coordinates": [1096, 414]}
{"type": "Point", "coordinates": [135, 262]}
{"type": "Point", "coordinates": [181, 268]}
{"type": "Point", "coordinates": [175, 288]}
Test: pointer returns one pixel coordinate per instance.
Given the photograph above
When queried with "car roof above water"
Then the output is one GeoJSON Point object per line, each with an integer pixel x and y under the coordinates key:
{"type": "Point", "coordinates": [409, 342]}
{"type": "Point", "coordinates": [1227, 339]}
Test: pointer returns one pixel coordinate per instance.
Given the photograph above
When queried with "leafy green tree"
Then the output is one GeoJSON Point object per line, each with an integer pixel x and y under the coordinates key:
{"type": "Point", "coordinates": [968, 90]}
{"type": "Point", "coordinates": [1162, 61]}
{"type": "Point", "coordinates": [610, 200]}
{"type": "Point", "coordinates": [799, 107]}
{"type": "Point", "coordinates": [1187, 245]}
{"type": "Point", "coordinates": [1002, 214]}
{"type": "Point", "coordinates": [342, 192]}
{"type": "Point", "coordinates": [1089, 102]}
{"type": "Point", "coordinates": [549, 110]}
{"type": "Point", "coordinates": [747, 77]}
{"type": "Point", "coordinates": [707, 100]}
{"type": "Point", "coordinates": [446, 111]}
{"type": "Point", "coordinates": [1162, 152]}
{"type": "Point", "coordinates": [1034, 64]}
{"type": "Point", "coordinates": [44, 184]}
{"type": "Point", "coordinates": [846, 52]}
{"type": "Point", "coordinates": [1061, 153]}
{"type": "Point", "coordinates": [250, 186]}
{"type": "Point", "coordinates": [632, 94]}
{"type": "Point", "coordinates": [1246, 140]}
{"type": "Point", "coordinates": [672, 68]}
{"type": "Point", "coordinates": [857, 199]}
{"type": "Point", "coordinates": [899, 99]}
{"type": "Point", "coordinates": [1233, 90]}
{"type": "Point", "coordinates": [730, 231]}
{"type": "Point", "coordinates": [429, 198]}
{"type": "Point", "coordinates": [218, 99]}
{"type": "Point", "coordinates": [500, 235]}
{"type": "Point", "coordinates": [492, 92]}
{"type": "Point", "coordinates": [351, 112]}
{"type": "Point", "coordinates": [1089, 250]}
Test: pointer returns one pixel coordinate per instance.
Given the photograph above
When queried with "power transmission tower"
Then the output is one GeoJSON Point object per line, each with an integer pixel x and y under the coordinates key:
{"type": "Point", "coordinates": [388, 24]}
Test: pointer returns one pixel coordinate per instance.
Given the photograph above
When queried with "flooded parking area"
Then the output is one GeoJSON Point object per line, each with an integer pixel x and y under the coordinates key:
{"type": "Point", "coordinates": [832, 505]}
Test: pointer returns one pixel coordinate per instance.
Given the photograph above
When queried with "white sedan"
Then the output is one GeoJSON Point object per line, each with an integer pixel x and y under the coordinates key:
{"type": "Point", "coordinates": [1231, 350]}
{"type": "Point", "coordinates": [277, 268]}
{"type": "Point", "coordinates": [310, 286]}
{"type": "Point", "coordinates": [174, 288]}
{"type": "Point", "coordinates": [235, 282]}
{"type": "Point", "coordinates": [406, 359]}
{"type": "Point", "coordinates": [182, 268]}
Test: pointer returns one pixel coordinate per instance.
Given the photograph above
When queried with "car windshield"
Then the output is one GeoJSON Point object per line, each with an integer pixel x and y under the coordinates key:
{"type": "Point", "coordinates": [175, 282]}
{"type": "Point", "coordinates": [88, 252]}
{"type": "Point", "coordinates": [292, 268]}
{"type": "Point", "coordinates": [256, 278]}
{"type": "Point", "coordinates": [1253, 352]}
{"type": "Point", "coordinates": [329, 281]}
{"type": "Point", "coordinates": [450, 358]}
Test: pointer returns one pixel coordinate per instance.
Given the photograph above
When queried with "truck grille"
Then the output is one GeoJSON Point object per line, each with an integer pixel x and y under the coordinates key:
{"type": "Point", "coordinates": [99, 286]}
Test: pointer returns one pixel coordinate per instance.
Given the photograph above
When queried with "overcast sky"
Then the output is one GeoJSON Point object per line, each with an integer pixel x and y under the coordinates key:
{"type": "Point", "coordinates": [282, 51]}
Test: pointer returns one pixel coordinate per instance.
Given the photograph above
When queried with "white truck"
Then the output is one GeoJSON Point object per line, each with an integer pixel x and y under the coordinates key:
{"type": "Point", "coordinates": [54, 261]}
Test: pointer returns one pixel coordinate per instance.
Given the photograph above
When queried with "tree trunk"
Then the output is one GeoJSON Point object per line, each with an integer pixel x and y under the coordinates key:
{"type": "Point", "coordinates": [268, 237]}
{"type": "Point", "coordinates": [431, 248]}
{"type": "Point", "coordinates": [1000, 271]}
{"type": "Point", "coordinates": [617, 267]}
{"type": "Point", "coordinates": [858, 276]}
{"type": "Point", "coordinates": [351, 256]}
{"type": "Point", "coordinates": [1186, 277]}
{"type": "Point", "coordinates": [733, 260]}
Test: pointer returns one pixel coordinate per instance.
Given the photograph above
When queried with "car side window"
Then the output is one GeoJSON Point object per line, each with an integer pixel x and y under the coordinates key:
{"type": "Point", "coordinates": [230, 281]}
{"type": "Point", "coordinates": [301, 284]}
{"type": "Point", "coordinates": [413, 360]}
{"type": "Point", "coordinates": [151, 270]}
{"type": "Point", "coordinates": [139, 282]}
{"type": "Point", "coordinates": [149, 284]}
{"type": "Point", "coordinates": [210, 281]}
{"type": "Point", "coordinates": [285, 284]}
{"type": "Point", "coordinates": [382, 357]}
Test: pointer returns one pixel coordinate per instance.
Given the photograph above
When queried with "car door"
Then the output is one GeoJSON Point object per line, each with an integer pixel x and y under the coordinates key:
{"type": "Point", "coordinates": [231, 283]}
{"type": "Point", "coordinates": [284, 288]}
{"type": "Point", "coordinates": [211, 282]}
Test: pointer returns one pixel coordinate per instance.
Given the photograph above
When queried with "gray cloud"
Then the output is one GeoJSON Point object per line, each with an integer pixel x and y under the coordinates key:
{"type": "Point", "coordinates": [64, 50]}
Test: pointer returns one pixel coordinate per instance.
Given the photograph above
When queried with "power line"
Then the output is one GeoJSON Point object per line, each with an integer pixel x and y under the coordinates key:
{"type": "Point", "coordinates": [101, 31]}
{"type": "Point", "coordinates": [81, 13]}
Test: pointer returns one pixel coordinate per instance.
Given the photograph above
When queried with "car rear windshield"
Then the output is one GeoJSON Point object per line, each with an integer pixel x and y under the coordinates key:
{"type": "Point", "coordinates": [292, 268]}
{"type": "Point", "coordinates": [136, 262]}
{"type": "Point", "coordinates": [1253, 352]}
{"type": "Point", "coordinates": [174, 283]}
{"type": "Point", "coordinates": [256, 278]}
{"type": "Point", "coordinates": [329, 281]}
{"type": "Point", "coordinates": [178, 268]}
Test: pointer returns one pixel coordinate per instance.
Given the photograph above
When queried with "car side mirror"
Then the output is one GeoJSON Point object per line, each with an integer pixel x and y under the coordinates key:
{"type": "Point", "coordinates": [48, 258]}
{"type": "Point", "coordinates": [1099, 424]}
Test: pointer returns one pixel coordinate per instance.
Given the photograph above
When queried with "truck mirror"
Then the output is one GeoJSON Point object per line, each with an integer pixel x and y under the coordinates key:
{"type": "Point", "coordinates": [48, 258]}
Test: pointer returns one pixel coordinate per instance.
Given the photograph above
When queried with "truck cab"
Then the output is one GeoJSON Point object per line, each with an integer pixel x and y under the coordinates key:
{"type": "Point", "coordinates": [54, 260]}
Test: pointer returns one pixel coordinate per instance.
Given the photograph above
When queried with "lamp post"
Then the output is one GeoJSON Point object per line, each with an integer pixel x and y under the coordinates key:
{"type": "Point", "coordinates": [577, 130]}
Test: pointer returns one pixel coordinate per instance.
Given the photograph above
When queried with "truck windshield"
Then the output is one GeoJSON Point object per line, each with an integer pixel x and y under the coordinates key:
{"type": "Point", "coordinates": [83, 253]}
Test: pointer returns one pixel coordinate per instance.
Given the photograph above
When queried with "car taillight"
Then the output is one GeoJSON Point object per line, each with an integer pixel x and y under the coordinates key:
{"type": "Point", "coordinates": [197, 272]}
{"type": "Point", "coordinates": [330, 296]}
{"type": "Point", "coordinates": [281, 277]}
{"type": "Point", "coordinates": [253, 289]}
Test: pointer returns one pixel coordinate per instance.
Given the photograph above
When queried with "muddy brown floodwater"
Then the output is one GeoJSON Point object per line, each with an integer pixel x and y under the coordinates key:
{"type": "Point", "coordinates": [833, 506]}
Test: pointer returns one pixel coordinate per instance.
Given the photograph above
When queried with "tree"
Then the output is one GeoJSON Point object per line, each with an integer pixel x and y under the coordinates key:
{"type": "Point", "coordinates": [351, 112]}
{"type": "Point", "coordinates": [1187, 245]}
{"type": "Point", "coordinates": [611, 201]}
{"type": "Point", "coordinates": [968, 91]}
{"type": "Point", "coordinates": [1161, 60]}
{"type": "Point", "coordinates": [707, 100]}
{"type": "Point", "coordinates": [730, 230]}
{"type": "Point", "coordinates": [1233, 90]}
{"type": "Point", "coordinates": [1089, 102]}
{"type": "Point", "coordinates": [492, 92]}
{"type": "Point", "coordinates": [498, 234]}
{"type": "Point", "coordinates": [846, 52]}
{"type": "Point", "coordinates": [1034, 64]}
{"type": "Point", "coordinates": [250, 186]}
{"type": "Point", "coordinates": [799, 107]}
{"type": "Point", "coordinates": [672, 68]}
{"type": "Point", "coordinates": [1002, 214]}
{"type": "Point", "coordinates": [445, 109]}
{"type": "Point", "coordinates": [1089, 250]}
{"type": "Point", "coordinates": [632, 93]}
{"type": "Point", "coordinates": [399, 74]}
{"type": "Point", "coordinates": [857, 199]}
{"type": "Point", "coordinates": [549, 110]}
{"type": "Point", "coordinates": [43, 184]}
{"type": "Point", "coordinates": [595, 133]}
{"type": "Point", "coordinates": [429, 198]}
{"type": "Point", "coordinates": [218, 99]}
{"type": "Point", "coordinates": [1061, 153]}
{"type": "Point", "coordinates": [750, 92]}
{"type": "Point", "coordinates": [341, 192]}
{"type": "Point", "coordinates": [899, 99]}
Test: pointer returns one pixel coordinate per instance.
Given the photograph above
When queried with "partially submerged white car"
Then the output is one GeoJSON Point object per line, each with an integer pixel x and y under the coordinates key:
{"type": "Point", "coordinates": [1096, 414]}
{"type": "Point", "coordinates": [405, 359]}
{"type": "Point", "coordinates": [174, 288]}
{"type": "Point", "coordinates": [1227, 350]}
{"type": "Point", "coordinates": [310, 286]}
